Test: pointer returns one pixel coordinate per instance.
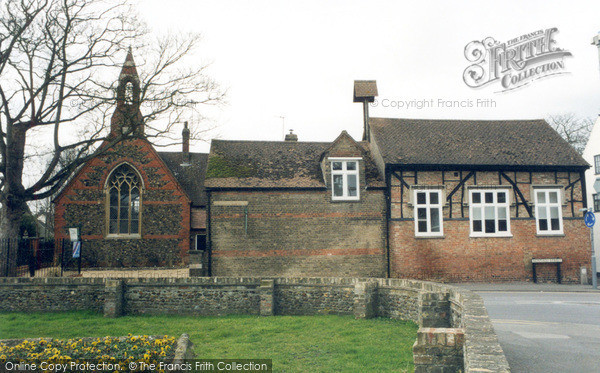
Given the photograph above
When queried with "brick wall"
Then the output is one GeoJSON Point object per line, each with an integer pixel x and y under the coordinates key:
{"type": "Point", "coordinates": [297, 233]}
{"type": "Point", "coordinates": [458, 257]}
{"type": "Point", "coordinates": [165, 231]}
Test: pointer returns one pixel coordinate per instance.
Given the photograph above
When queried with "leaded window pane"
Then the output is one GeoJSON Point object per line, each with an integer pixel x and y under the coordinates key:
{"type": "Point", "coordinates": [135, 226]}
{"type": "Point", "coordinates": [124, 201]}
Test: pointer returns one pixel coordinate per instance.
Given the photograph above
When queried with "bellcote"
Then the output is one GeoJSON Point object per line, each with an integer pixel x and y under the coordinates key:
{"type": "Point", "coordinates": [127, 118]}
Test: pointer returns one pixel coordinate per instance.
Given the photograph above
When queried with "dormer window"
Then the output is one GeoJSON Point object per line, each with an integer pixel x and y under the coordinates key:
{"type": "Point", "coordinates": [344, 179]}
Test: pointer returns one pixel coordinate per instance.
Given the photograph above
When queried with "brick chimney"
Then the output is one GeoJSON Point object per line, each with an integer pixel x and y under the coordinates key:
{"type": "Point", "coordinates": [185, 145]}
{"type": "Point", "coordinates": [291, 136]}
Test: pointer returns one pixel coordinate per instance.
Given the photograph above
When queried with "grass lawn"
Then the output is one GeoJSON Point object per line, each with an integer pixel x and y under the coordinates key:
{"type": "Point", "coordinates": [295, 343]}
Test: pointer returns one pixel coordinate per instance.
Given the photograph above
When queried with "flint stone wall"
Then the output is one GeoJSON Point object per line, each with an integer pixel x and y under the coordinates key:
{"type": "Point", "coordinates": [444, 313]}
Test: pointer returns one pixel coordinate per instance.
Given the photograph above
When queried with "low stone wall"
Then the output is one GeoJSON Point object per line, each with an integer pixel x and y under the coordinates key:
{"type": "Point", "coordinates": [51, 294]}
{"type": "Point", "coordinates": [455, 335]}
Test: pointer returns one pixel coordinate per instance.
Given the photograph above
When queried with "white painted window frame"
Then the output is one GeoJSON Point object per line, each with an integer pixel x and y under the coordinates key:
{"type": "Point", "coordinates": [547, 205]}
{"type": "Point", "coordinates": [345, 172]}
{"type": "Point", "coordinates": [496, 206]}
{"type": "Point", "coordinates": [428, 207]}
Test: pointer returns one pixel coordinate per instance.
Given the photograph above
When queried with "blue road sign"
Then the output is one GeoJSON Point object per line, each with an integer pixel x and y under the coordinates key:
{"type": "Point", "coordinates": [76, 249]}
{"type": "Point", "coordinates": [589, 218]}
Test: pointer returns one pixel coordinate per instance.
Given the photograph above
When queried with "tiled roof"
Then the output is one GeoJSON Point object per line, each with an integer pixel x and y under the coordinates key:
{"type": "Point", "coordinates": [472, 142]}
{"type": "Point", "coordinates": [191, 177]}
{"type": "Point", "coordinates": [272, 164]}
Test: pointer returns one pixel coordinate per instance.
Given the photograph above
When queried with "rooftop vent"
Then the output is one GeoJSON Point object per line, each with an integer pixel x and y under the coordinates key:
{"type": "Point", "coordinates": [291, 136]}
{"type": "Point", "coordinates": [365, 92]}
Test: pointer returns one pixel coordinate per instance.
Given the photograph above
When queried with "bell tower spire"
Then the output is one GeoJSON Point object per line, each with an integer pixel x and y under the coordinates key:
{"type": "Point", "coordinates": [127, 118]}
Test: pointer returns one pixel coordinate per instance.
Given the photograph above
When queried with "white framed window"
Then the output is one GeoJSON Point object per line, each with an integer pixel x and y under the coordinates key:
{"type": "Point", "coordinates": [548, 211]}
{"type": "Point", "coordinates": [489, 213]}
{"type": "Point", "coordinates": [428, 213]}
{"type": "Point", "coordinates": [345, 179]}
{"type": "Point", "coordinates": [596, 198]}
{"type": "Point", "coordinates": [597, 164]}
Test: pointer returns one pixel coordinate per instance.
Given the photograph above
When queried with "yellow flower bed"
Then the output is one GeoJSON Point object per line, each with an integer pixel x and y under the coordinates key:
{"type": "Point", "coordinates": [119, 350]}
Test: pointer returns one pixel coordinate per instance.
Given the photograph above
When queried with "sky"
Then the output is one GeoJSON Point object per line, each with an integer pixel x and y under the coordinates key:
{"type": "Point", "coordinates": [299, 59]}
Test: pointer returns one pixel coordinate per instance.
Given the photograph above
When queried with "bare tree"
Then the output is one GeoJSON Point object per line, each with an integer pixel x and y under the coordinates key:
{"type": "Point", "coordinates": [57, 69]}
{"type": "Point", "coordinates": [573, 129]}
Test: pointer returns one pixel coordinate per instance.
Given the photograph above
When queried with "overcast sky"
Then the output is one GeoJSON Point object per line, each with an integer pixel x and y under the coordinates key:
{"type": "Point", "coordinates": [298, 59]}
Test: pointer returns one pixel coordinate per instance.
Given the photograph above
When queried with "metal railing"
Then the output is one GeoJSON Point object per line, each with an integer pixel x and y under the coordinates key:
{"type": "Point", "coordinates": [32, 257]}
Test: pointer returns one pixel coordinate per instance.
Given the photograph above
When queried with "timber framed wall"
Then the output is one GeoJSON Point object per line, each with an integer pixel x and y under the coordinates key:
{"type": "Point", "coordinates": [457, 256]}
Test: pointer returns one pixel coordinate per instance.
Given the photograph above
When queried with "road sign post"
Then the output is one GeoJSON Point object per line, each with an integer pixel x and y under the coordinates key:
{"type": "Point", "coordinates": [590, 219]}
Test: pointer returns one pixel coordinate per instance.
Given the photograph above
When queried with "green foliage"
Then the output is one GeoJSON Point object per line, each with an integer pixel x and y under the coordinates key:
{"type": "Point", "coordinates": [219, 167]}
{"type": "Point", "coordinates": [295, 343]}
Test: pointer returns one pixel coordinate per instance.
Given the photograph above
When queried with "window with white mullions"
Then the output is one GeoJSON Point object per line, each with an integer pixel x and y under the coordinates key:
{"type": "Point", "coordinates": [596, 198]}
{"type": "Point", "coordinates": [489, 213]}
{"type": "Point", "coordinates": [428, 213]}
{"type": "Point", "coordinates": [344, 179]}
{"type": "Point", "coordinates": [548, 211]}
{"type": "Point", "coordinates": [597, 164]}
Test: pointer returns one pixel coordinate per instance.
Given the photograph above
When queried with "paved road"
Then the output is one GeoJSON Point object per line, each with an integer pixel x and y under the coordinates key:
{"type": "Point", "coordinates": [547, 332]}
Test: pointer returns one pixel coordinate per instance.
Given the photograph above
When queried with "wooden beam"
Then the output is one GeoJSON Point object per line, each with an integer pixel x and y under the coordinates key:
{"type": "Point", "coordinates": [516, 188]}
{"type": "Point", "coordinates": [456, 188]}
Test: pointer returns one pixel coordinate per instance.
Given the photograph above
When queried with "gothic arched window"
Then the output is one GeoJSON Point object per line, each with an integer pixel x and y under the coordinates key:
{"type": "Point", "coordinates": [124, 201]}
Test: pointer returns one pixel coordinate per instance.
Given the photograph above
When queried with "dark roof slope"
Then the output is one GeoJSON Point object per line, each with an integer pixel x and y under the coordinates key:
{"type": "Point", "coordinates": [472, 142]}
{"type": "Point", "coordinates": [271, 164]}
{"type": "Point", "coordinates": [191, 178]}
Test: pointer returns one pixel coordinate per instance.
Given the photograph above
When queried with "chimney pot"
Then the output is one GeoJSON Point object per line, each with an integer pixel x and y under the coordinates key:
{"type": "Point", "coordinates": [291, 136]}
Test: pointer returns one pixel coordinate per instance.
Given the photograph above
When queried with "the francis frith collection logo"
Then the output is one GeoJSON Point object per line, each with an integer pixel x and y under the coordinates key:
{"type": "Point", "coordinates": [514, 63]}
